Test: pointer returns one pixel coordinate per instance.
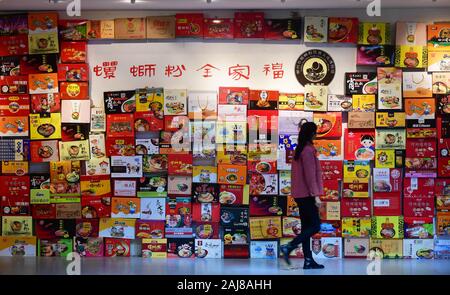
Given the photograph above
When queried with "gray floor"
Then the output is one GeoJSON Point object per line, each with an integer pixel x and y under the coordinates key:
{"type": "Point", "coordinates": [140, 266]}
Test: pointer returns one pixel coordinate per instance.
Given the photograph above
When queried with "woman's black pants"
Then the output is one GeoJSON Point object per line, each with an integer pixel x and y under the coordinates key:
{"type": "Point", "coordinates": [309, 215]}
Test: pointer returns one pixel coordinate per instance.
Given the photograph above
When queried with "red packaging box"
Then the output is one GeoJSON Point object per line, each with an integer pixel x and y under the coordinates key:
{"type": "Point", "coordinates": [356, 207]}
{"type": "Point", "coordinates": [444, 147]}
{"type": "Point", "coordinates": [13, 85]}
{"type": "Point", "coordinates": [14, 206]}
{"type": "Point", "coordinates": [43, 211]}
{"type": "Point", "coordinates": [418, 206]}
{"type": "Point", "coordinates": [206, 230]}
{"type": "Point", "coordinates": [15, 186]}
{"type": "Point", "coordinates": [74, 90]}
{"type": "Point", "coordinates": [146, 121]}
{"type": "Point", "coordinates": [387, 204]}
{"type": "Point", "coordinates": [54, 228]}
{"type": "Point", "coordinates": [189, 25]}
{"type": "Point", "coordinates": [45, 103]}
{"type": "Point", "coordinates": [87, 228]}
{"type": "Point", "coordinates": [175, 123]}
{"type": "Point", "coordinates": [119, 125]}
{"type": "Point", "coordinates": [73, 72]}
{"type": "Point", "coordinates": [418, 187]}
{"type": "Point", "coordinates": [180, 164]}
{"type": "Point", "coordinates": [249, 25]}
{"type": "Point", "coordinates": [359, 144]}
{"type": "Point", "coordinates": [218, 28]}
{"type": "Point", "coordinates": [231, 194]}
{"type": "Point", "coordinates": [117, 247]}
{"type": "Point", "coordinates": [442, 187]}
{"type": "Point", "coordinates": [263, 99]}
{"type": "Point", "coordinates": [14, 105]}
{"type": "Point", "coordinates": [38, 64]}
{"type": "Point", "coordinates": [283, 29]}
{"type": "Point", "coordinates": [73, 52]}
{"type": "Point", "coordinates": [13, 45]}
{"type": "Point", "coordinates": [420, 148]}
{"type": "Point", "coordinates": [329, 125]}
{"type": "Point", "coordinates": [234, 95]}
{"type": "Point", "coordinates": [120, 146]}
{"type": "Point", "coordinates": [206, 212]}
{"type": "Point", "coordinates": [331, 190]}
{"type": "Point", "coordinates": [236, 251]}
{"type": "Point", "coordinates": [444, 167]}
{"type": "Point", "coordinates": [343, 30]}
{"type": "Point", "coordinates": [419, 228]}
{"type": "Point", "coordinates": [95, 207]}
{"type": "Point", "coordinates": [331, 170]}
{"type": "Point", "coordinates": [150, 229]}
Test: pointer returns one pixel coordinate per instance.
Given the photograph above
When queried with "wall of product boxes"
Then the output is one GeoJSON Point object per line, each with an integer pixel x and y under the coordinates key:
{"type": "Point", "coordinates": [111, 181]}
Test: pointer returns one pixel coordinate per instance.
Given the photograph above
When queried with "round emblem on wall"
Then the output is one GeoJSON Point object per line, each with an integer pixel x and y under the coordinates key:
{"type": "Point", "coordinates": [315, 67]}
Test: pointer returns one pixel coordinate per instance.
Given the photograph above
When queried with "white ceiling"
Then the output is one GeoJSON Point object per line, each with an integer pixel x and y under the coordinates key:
{"type": "Point", "coordinates": [215, 4]}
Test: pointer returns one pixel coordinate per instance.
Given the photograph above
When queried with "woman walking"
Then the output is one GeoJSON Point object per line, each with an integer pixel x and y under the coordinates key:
{"type": "Point", "coordinates": [307, 187]}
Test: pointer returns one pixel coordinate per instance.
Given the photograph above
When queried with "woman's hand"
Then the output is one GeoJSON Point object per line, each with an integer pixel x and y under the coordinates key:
{"type": "Point", "coordinates": [318, 201]}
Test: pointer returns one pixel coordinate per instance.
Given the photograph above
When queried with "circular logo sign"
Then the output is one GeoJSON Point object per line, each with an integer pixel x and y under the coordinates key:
{"type": "Point", "coordinates": [315, 67]}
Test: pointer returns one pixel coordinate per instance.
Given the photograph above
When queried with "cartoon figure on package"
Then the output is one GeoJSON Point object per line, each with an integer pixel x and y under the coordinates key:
{"type": "Point", "coordinates": [184, 250]}
{"type": "Point", "coordinates": [80, 246]}
{"type": "Point", "coordinates": [312, 33]}
{"type": "Point", "coordinates": [368, 142]}
{"type": "Point", "coordinates": [117, 232]}
{"type": "Point", "coordinates": [316, 245]}
{"type": "Point", "coordinates": [382, 158]}
{"type": "Point", "coordinates": [53, 249]}
{"type": "Point", "coordinates": [18, 249]}
{"type": "Point", "coordinates": [262, 101]}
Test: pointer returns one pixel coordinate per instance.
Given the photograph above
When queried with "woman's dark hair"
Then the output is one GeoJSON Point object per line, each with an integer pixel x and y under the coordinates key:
{"type": "Point", "coordinates": [305, 136]}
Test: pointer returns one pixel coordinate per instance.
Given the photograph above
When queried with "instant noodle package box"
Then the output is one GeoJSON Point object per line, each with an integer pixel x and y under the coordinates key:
{"type": "Point", "coordinates": [265, 228]}
{"type": "Point", "coordinates": [160, 27]}
{"type": "Point", "coordinates": [150, 229]}
{"type": "Point", "coordinates": [326, 248]}
{"type": "Point", "coordinates": [316, 29]}
{"type": "Point", "coordinates": [88, 247]}
{"type": "Point", "coordinates": [383, 248]}
{"type": "Point", "coordinates": [417, 84]}
{"type": "Point", "coordinates": [373, 33]}
{"type": "Point", "coordinates": [17, 226]}
{"type": "Point", "coordinates": [42, 128]}
{"type": "Point", "coordinates": [342, 30]}
{"type": "Point", "coordinates": [356, 227]}
{"type": "Point", "coordinates": [208, 248]}
{"type": "Point", "coordinates": [356, 247]}
{"type": "Point", "coordinates": [264, 249]}
{"type": "Point", "coordinates": [14, 126]}
{"type": "Point", "coordinates": [218, 28]}
{"type": "Point", "coordinates": [55, 247]}
{"type": "Point", "coordinates": [180, 248]}
{"type": "Point", "coordinates": [100, 29]}
{"type": "Point", "coordinates": [115, 247]}
{"type": "Point", "coordinates": [154, 248]}
{"type": "Point", "coordinates": [418, 248]}
{"type": "Point", "coordinates": [387, 227]}
{"type": "Point", "coordinates": [18, 246]}
{"type": "Point", "coordinates": [356, 207]}
{"type": "Point", "coordinates": [117, 228]}
{"type": "Point", "coordinates": [129, 28]}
